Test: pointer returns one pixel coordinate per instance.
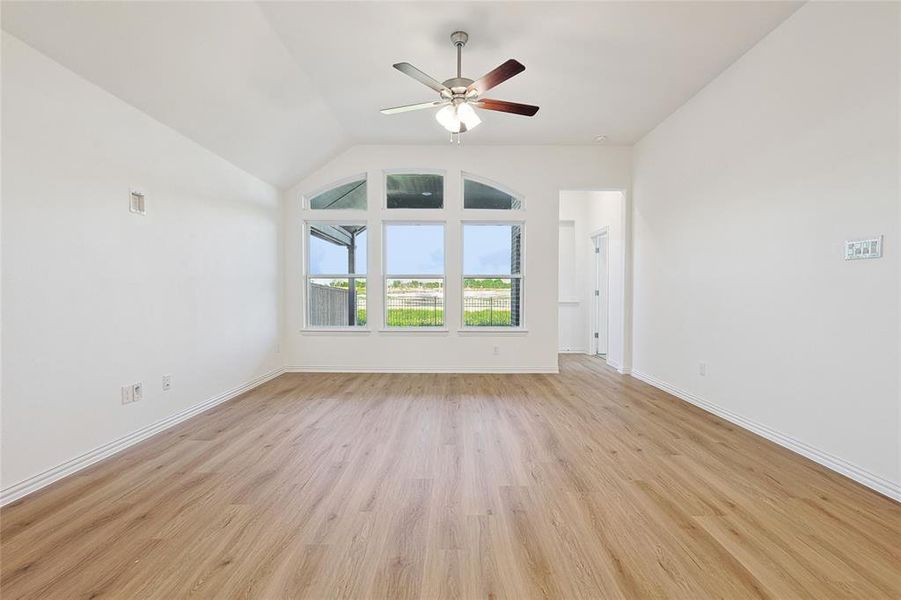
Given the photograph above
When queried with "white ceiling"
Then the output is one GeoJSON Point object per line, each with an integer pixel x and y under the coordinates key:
{"type": "Point", "coordinates": [278, 88]}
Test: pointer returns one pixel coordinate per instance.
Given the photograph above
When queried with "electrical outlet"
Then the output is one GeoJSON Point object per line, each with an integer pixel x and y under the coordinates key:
{"type": "Point", "coordinates": [127, 394]}
{"type": "Point", "coordinates": [861, 249]}
{"type": "Point", "coordinates": [702, 368]}
{"type": "Point", "coordinates": [138, 391]}
{"type": "Point", "coordinates": [167, 383]}
{"type": "Point", "coordinates": [497, 350]}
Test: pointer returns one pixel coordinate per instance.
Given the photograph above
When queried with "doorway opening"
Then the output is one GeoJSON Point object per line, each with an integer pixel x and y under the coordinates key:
{"type": "Point", "coordinates": [591, 274]}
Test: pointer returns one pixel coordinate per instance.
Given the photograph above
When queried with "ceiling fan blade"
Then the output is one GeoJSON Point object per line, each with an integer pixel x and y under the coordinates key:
{"type": "Point", "coordinates": [399, 109]}
{"type": "Point", "coordinates": [497, 76]}
{"type": "Point", "coordinates": [527, 110]}
{"type": "Point", "coordinates": [408, 69]}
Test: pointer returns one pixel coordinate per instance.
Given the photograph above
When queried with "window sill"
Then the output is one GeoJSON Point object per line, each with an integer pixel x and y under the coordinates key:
{"type": "Point", "coordinates": [493, 331]}
{"type": "Point", "coordinates": [333, 330]}
{"type": "Point", "coordinates": [415, 330]}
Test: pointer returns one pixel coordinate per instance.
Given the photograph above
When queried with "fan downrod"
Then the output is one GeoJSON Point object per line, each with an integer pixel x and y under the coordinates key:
{"type": "Point", "coordinates": [458, 84]}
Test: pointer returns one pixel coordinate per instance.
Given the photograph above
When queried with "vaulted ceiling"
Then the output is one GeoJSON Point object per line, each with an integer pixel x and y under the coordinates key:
{"type": "Point", "coordinates": [278, 88]}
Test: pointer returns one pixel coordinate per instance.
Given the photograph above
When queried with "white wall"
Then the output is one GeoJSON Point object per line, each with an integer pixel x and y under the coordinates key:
{"type": "Point", "coordinates": [95, 297]}
{"type": "Point", "coordinates": [591, 211]}
{"type": "Point", "coordinates": [537, 172]}
{"type": "Point", "coordinates": [570, 324]}
{"type": "Point", "coordinates": [742, 200]}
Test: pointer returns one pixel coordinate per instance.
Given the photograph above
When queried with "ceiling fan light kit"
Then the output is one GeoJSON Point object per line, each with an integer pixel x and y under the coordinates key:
{"type": "Point", "coordinates": [459, 95]}
{"type": "Point", "coordinates": [458, 118]}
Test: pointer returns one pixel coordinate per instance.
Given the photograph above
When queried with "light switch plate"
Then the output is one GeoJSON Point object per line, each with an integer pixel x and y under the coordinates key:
{"type": "Point", "coordinates": [137, 202]}
{"type": "Point", "coordinates": [864, 248]}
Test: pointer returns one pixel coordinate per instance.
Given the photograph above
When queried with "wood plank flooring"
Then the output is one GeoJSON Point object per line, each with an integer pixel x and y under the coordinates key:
{"type": "Point", "coordinates": [585, 484]}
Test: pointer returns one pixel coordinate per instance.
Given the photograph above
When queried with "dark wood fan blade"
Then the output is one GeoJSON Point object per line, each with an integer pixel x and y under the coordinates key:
{"type": "Point", "coordinates": [497, 76]}
{"type": "Point", "coordinates": [408, 69]}
{"type": "Point", "coordinates": [527, 110]}
{"type": "Point", "coordinates": [399, 109]}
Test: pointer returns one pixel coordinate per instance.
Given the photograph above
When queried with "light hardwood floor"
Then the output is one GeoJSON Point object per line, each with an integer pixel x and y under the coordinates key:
{"type": "Point", "coordinates": [583, 485]}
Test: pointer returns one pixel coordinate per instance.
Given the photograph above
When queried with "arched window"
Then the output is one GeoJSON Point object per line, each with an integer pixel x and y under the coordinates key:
{"type": "Point", "coordinates": [480, 194]}
{"type": "Point", "coordinates": [348, 194]}
{"type": "Point", "coordinates": [414, 189]}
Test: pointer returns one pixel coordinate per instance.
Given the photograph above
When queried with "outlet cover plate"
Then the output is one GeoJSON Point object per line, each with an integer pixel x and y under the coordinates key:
{"type": "Point", "coordinates": [870, 247]}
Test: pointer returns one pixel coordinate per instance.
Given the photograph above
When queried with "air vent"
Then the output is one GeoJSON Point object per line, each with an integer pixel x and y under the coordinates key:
{"type": "Point", "coordinates": [137, 203]}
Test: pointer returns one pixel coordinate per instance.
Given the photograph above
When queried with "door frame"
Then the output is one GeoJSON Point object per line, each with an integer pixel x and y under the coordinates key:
{"type": "Point", "coordinates": [597, 237]}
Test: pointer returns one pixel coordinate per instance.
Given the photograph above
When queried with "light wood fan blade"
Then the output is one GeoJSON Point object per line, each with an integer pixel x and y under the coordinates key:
{"type": "Point", "coordinates": [527, 110]}
{"type": "Point", "coordinates": [399, 109]}
{"type": "Point", "coordinates": [497, 76]}
{"type": "Point", "coordinates": [408, 69]}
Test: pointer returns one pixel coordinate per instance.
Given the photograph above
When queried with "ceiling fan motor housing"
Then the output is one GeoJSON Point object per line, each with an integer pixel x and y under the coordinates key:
{"type": "Point", "coordinates": [458, 85]}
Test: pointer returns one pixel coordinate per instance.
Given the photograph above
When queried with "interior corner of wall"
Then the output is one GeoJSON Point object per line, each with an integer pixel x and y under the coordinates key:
{"type": "Point", "coordinates": [340, 150]}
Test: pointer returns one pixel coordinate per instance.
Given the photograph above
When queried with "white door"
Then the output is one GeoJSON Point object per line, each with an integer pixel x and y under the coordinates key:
{"type": "Point", "coordinates": [600, 310]}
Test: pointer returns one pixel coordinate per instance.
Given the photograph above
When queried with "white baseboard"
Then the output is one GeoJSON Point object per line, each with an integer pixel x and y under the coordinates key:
{"type": "Point", "coordinates": [484, 370]}
{"type": "Point", "coordinates": [610, 363]}
{"type": "Point", "coordinates": [32, 484]}
{"type": "Point", "coordinates": [619, 367]}
{"type": "Point", "coordinates": [875, 482]}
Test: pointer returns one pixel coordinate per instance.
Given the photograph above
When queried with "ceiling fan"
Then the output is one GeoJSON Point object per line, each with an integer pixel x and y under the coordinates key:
{"type": "Point", "coordinates": [459, 95]}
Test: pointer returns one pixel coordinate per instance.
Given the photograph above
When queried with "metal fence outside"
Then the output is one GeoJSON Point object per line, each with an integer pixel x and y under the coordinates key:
{"type": "Point", "coordinates": [329, 308]}
{"type": "Point", "coordinates": [404, 310]}
{"type": "Point", "coordinates": [487, 311]}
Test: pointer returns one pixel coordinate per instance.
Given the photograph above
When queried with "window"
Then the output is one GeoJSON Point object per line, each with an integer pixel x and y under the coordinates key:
{"type": "Point", "coordinates": [415, 190]}
{"type": "Point", "coordinates": [351, 195]}
{"type": "Point", "coordinates": [336, 275]}
{"type": "Point", "coordinates": [492, 275]}
{"type": "Point", "coordinates": [481, 195]}
{"type": "Point", "coordinates": [414, 275]}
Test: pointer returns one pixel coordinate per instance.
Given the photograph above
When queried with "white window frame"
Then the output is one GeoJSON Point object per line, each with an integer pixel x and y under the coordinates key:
{"type": "Point", "coordinates": [521, 276]}
{"type": "Point", "coordinates": [464, 176]}
{"type": "Point", "coordinates": [308, 276]}
{"type": "Point", "coordinates": [386, 275]}
{"type": "Point", "coordinates": [418, 211]}
{"type": "Point", "coordinates": [305, 198]}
